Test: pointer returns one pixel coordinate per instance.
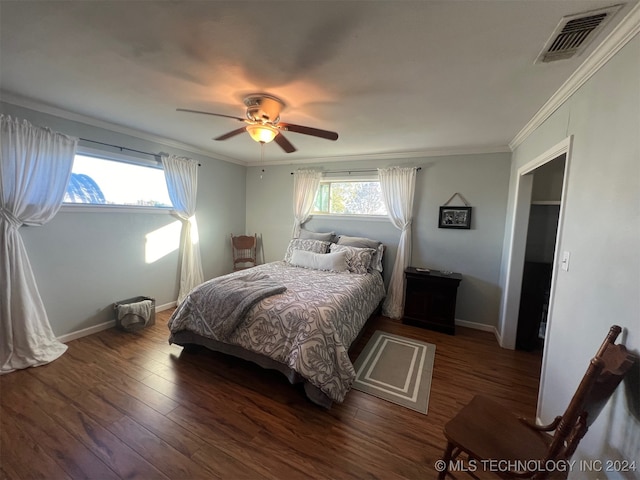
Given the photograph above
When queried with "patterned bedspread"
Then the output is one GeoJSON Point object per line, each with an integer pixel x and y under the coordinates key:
{"type": "Point", "coordinates": [309, 327]}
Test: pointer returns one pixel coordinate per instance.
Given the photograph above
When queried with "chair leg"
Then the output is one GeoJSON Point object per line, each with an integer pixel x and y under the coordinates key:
{"type": "Point", "coordinates": [446, 458]}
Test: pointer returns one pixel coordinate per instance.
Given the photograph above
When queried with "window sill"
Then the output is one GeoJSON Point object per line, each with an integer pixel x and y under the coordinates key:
{"type": "Point", "coordinates": [88, 208]}
{"type": "Point", "coordinates": [366, 218]}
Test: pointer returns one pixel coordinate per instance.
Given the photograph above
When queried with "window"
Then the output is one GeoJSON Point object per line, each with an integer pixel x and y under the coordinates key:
{"type": "Point", "coordinates": [350, 197]}
{"type": "Point", "coordinates": [98, 180]}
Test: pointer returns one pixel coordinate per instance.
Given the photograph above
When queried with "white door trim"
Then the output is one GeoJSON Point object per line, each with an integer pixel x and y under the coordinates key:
{"type": "Point", "coordinates": [518, 239]}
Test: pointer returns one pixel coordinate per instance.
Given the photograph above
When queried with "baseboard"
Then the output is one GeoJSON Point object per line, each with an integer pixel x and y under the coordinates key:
{"type": "Point", "coordinates": [474, 325]}
{"type": "Point", "coordinates": [104, 326]}
{"type": "Point", "coordinates": [499, 338]}
{"type": "Point", "coordinates": [86, 331]}
{"type": "Point", "coordinates": [166, 306]}
{"type": "Point", "coordinates": [479, 326]}
{"type": "Point", "coordinates": [483, 327]}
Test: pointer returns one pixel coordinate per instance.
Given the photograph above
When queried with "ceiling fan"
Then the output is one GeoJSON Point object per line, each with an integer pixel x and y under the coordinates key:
{"type": "Point", "coordinates": [263, 122]}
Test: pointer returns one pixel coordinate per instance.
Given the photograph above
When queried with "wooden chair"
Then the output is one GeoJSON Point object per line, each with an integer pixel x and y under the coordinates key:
{"type": "Point", "coordinates": [488, 433]}
{"type": "Point", "coordinates": [244, 249]}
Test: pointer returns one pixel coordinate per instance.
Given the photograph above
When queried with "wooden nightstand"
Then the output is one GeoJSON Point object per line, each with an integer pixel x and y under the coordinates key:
{"type": "Point", "coordinates": [430, 299]}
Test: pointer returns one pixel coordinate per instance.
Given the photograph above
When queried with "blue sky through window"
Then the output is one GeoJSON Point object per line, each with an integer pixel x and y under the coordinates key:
{"type": "Point", "coordinates": [118, 183]}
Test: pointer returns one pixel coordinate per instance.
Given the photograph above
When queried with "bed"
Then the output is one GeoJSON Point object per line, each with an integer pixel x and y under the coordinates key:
{"type": "Point", "coordinates": [302, 318]}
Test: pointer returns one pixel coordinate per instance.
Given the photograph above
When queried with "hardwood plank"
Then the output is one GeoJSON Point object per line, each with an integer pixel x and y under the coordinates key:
{"type": "Point", "coordinates": [106, 446]}
{"type": "Point", "coordinates": [23, 453]}
{"type": "Point", "coordinates": [86, 352]}
{"type": "Point", "coordinates": [231, 459]}
{"type": "Point", "coordinates": [69, 453]}
{"type": "Point", "coordinates": [113, 372]}
{"type": "Point", "coordinates": [75, 395]}
{"type": "Point", "coordinates": [156, 451]}
{"type": "Point", "coordinates": [131, 405]}
{"type": "Point", "coordinates": [174, 434]}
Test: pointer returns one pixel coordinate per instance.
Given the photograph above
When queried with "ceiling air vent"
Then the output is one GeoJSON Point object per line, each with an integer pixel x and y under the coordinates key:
{"type": "Point", "coordinates": [574, 33]}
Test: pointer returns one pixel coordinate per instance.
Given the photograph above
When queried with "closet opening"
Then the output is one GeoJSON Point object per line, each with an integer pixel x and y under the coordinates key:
{"type": "Point", "coordinates": [540, 250]}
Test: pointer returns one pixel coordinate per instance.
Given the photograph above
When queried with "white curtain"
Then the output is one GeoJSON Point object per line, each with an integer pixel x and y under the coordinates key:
{"type": "Point", "coordinates": [182, 181]}
{"type": "Point", "coordinates": [305, 186]}
{"type": "Point", "coordinates": [35, 166]}
{"type": "Point", "coordinates": [398, 186]}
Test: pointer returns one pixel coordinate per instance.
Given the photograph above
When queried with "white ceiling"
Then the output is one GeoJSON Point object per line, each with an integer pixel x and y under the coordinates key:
{"type": "Point", "coordinates": [391, 77]}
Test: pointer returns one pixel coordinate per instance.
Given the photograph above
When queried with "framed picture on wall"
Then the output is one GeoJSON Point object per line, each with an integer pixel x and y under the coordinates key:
{"type": "Point", "coordinates": [455, 217]}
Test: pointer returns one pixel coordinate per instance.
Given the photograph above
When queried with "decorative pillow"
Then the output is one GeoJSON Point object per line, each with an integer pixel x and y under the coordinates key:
{"type": "Point", "coordinates": [308, 245]}
{"type": "Point", "coordinates": [361, 242]}
{"type": "Point", "coordinates": [376, 261]}
{"type": "Point", "coordinates": [358, 259]}
{"type": "Point", "coordinates": [335, 262]}
{"type": "Point", "coordinates": [325, 237]}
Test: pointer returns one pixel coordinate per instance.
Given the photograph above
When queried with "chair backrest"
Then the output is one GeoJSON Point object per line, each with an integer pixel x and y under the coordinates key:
{"type": "Point", "coordinates": [605, 372]}
{"type": "Point", "coordinates": [244, 251]}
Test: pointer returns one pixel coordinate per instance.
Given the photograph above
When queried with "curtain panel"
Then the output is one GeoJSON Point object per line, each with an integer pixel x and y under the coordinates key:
{"type": "Point", "coordinates": [35, 167]}
{"type": "Point", "coordinates": [305, 187]}
{"type": "Point", "coordinates": [398, 188]}
{"type": "Point", "coordinates": [181, 175]}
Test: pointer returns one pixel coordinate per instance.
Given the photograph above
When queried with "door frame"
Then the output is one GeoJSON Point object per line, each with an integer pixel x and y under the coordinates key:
{"type": "Point", "coordinates": [518, 240]}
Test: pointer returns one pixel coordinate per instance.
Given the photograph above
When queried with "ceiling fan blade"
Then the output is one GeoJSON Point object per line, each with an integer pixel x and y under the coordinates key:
{"type": "Point", "coordinates": [209, 113]}
{"type": "Point", "coordinates": [232, 133]}
{"type": "Point", "coordinates": [284, 143]}
{"type": "Point", "coordinates": [315, 132]}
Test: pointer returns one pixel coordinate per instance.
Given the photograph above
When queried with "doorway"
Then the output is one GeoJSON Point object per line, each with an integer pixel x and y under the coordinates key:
{"type": "Point", "coordinates": [542, 228]}
{"type": "Point", "coordinates": [517, 240]}
{"type": "Point", "coordinates": [517, 247]}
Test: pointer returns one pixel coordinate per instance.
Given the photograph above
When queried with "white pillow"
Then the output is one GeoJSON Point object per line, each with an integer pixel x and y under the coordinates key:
{"type": "Point", "coordinates": [358, 259]}
{"type": "Point", "coordinates": [316, 246]}
{"type": "Point", "coordinates": [334, 262]}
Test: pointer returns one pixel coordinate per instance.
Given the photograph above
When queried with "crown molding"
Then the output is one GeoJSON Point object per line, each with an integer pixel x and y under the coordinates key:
{"type": "Point", "coordinates": [32, 104]}
{"type": "Point", "coordinates": [618, 38]}
{"type": "Point", "coordinates": [479, 150]}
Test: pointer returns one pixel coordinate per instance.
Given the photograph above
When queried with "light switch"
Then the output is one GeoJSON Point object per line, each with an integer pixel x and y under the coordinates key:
{"type": "Point", "coordinates": [565, 261]}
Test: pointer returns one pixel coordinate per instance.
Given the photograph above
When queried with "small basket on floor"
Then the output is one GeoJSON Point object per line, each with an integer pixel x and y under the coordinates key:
{"type": "Point", "coordinates": [135, 313]}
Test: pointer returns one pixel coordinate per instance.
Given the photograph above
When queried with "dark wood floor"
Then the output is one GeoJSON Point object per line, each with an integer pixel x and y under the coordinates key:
{"type": "Point", "coordinates": [122, 405]}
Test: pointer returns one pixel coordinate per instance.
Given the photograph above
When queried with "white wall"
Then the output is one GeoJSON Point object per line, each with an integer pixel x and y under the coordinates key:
{"type": "Point", "coordinates": [476, 253]}
{"type": "Point", "coordinates": [601, 229]}
{"type": "Point", "coordinates": [85, 261]}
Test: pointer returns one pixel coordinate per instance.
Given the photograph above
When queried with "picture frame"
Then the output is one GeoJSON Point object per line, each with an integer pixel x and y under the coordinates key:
{"type": "Point", "coordinates": [455, 217]}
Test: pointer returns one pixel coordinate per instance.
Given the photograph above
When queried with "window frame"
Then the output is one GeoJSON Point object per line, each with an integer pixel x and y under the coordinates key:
{"type": "Point", "coordinates": [102, 208]}
{"type": "Point", "coordinates": [359, 177]}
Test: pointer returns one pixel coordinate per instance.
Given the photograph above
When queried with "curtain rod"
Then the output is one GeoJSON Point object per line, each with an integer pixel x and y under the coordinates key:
{"type": "Point", "coordinates": [125, 148]}
{"type": "Point", "coordinates": [354, 171]}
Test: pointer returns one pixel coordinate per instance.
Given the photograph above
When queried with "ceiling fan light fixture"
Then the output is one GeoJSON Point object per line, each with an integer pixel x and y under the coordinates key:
{"type": "Point", "coordinates": [263, 122]}
{"type": "Point", "coordinates": [262, 133]}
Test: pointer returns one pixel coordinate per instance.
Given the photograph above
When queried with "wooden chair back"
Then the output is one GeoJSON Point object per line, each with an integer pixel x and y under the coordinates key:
{"type": "Point", "coordinates": [605, 372]}
{"type": "Point", "coordinates": [485, 430]}
{"type": "Point", "coordinates": [244, 248]}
